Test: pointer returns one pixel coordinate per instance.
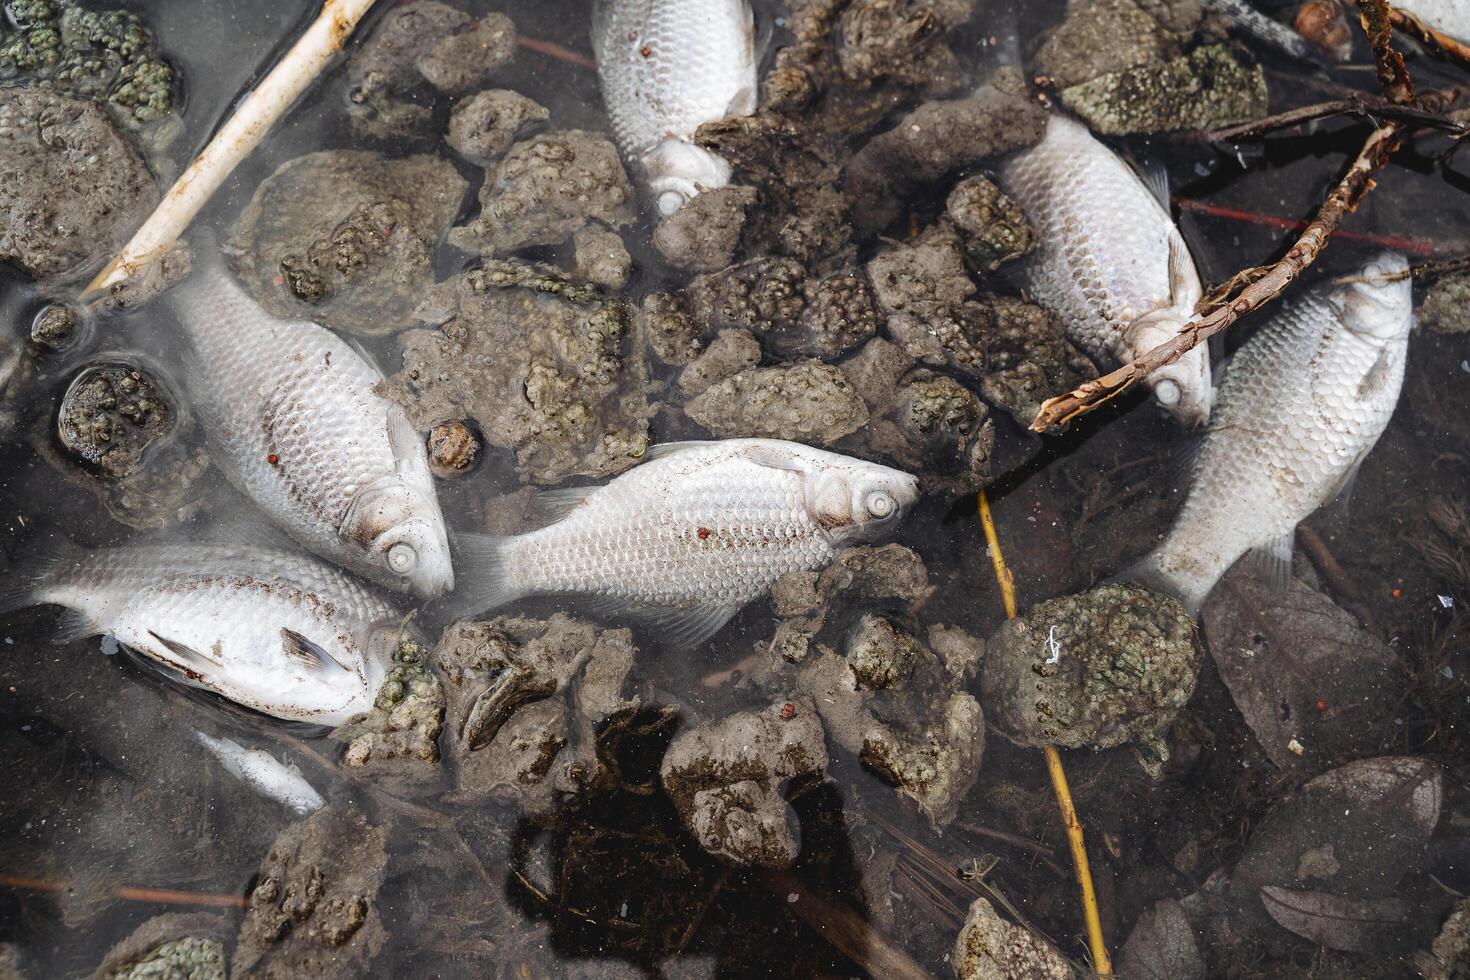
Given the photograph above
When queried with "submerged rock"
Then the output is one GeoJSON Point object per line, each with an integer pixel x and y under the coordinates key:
{"type": "Point", "coordinates": [704, 234]}
{"type": "Point", "coordinates": [545, 189]}
{"type": "Point", "coordinates": [314, 909]}
{"type": "Point", "coordinates": [346, 237]}
{"type": "Point", "coordinates": [601, 256]}
{"type": "Point", "coordinates": [544, 367]}
{"type": "Point", "coordinates": [1102, 36]}
{"type": "Point", "coordinates": [461, 61]}
{"type": "Point", "coordinates": [807, 401]}
{"type": "Point", "coordinates": [731, 352]}
{"type": "Point", "coordinates": [174, 946]}
{"type": "Point", "coordinates": [482, 128]}
{"type": "Point", "coordinates": [55, 326]}
{"type": "Point", "coordinates": [990, 948]}
{"type": "Point", "coordinates": [993, 227]}
{"type": "Point", "coordinates": [1101, 668]}
{"type": "Point", "coordinates": [1446, 307]}
{"type": "Point", "coordinates": [1208, 87]}
{"type": "Point", "coordinates": [71, 185]}
{"type": "Point", "coordinates": [454, 449]}
{"type": "Point", "coordinates": [397, 744]}
{"type": "Point", "coordinates": [727, 779]}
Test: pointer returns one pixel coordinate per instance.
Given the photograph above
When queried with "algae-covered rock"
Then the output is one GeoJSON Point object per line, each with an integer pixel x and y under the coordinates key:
{"type": "Point", "coordinates": [601, 257]}
{"type": "Point", "coordinates": [397, 743]}
{"type": "Point", "coordinates": [482, 128]}
{"type": "Point", "coordinates": [544, 367]}
{"type": "Point", "coordinates": [346, 237]}
{"type": "Point", "coordinates": [807, 401]}
{"type": "Point", "coordinates": [461, 61]}
{"type": "Point", "coordinates": [1210, 86]}
{"type": "Point", "coordinates": [1446, 307]}
{"type": "Point", "coordinates": [930, 424]}
{"type": "Point", "coordinates": [990, 948]}
{"type": "Point", "coordinates": [727, 778]}
{"type": "Point", "coordinates": [1100, 668]}
{"type": "Point", "coordinates": [546, 188]}
{"type": "Point", "coordinates": [174, 946]}
{"type": "Point", "coordinates": [703, 235]}
{"type": "Point", "coordinates": [71, 185]}
{"type": "Point", "coordinates": [731, 352]}
{"type": "Point", "coordinates": [1102, 36]}
{"type": "Point", "coordinates": [992, 225]}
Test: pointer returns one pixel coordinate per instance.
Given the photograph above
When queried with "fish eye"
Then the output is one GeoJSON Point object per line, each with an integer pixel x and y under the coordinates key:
{"type": "Point", "coordinates": [669, 202]}
{"type": "Point", "coordinates": [880, 505]}
{"type": "Point", "coordinates": [402, 558]}
{"type": "Point", "coordinates": [1167, 392]}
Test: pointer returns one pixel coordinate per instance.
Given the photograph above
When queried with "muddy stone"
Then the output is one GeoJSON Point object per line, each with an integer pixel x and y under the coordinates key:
{"type": "Point", "coordinates": [672, 334]}
{"type": "Point", "coordinates": [1446, 307]}
{"type": "Point", "coordinates": [727, 779]}
{"type": "Point", "coordinates": [313, 911]}
{"type": "Point", "coordinates": [990, 948]}
{"type": "Point", "coordinates": [992, 225]}
{"type": "Point", "coordinates": [704, 234]}
{"type": "Point", "coordinates": [929, 424]}
{"type": "Point", "coordinates": [346, 237]}
{"type": "Point", "coordinates": [397, 744]}
{"type": "Point", "coordinates": [175, 946]}
{"type": "Point", "coordinates": [110, 415]}
{"type": "Point", "coordinates": [55, 326]}
{"type": "Point", "coordinates": [544, 367]}
{"type": "Point", "coordinates": [544, 190]}
{"type": "Point", "coordinates": [807, 401]}
{"type": "Point", "coordinates": [731, 352]}
{"type": "Point", "coordinates": [1102, 36]}
{"type": "Point", "coordinates": [71, 185]}
{"type": "Point", "coordinates": [388, 59]}
{"type": "Point", "coordinates": [601, 256]}
{"type": "Point", "coordinates": [1208, 87]}
{"type": "Point", "coordinates": [462, 61]}
{"type": "Point", "coordinates": [482, 128]}
{"type": "Point", "coordinates": [1101, 668]}
{"type": "Point", "coordinates": [454, 449]}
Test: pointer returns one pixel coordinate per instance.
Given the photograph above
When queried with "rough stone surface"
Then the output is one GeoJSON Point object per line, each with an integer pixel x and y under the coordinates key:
{"type": "Point", "coordinates": [397, 744]}
{"type": "Point", "coordinates": [482, 128]}
{"type": "Point", "coordinates": [727, 779]}
{"type": "Point", "coordinates": [1102, 36]}
{"type": "Point", "coordinates": [462, 61]}
{"type": "Point", "coordinates": [546, 188]}
{"type": "Point", "coordinates": [990, 948]}
{"type": "Point", "coordinates": [807, 401]}
{"type": "Point", "coordinates": [1446, 307]}
{"type": "Point", "coordinates": [314, 909]}
{"type": "Point", "coordinates": [992, 225]}
{"type": "Point", "coordinates": [704, 234]}
{"type": "Point", "coordinates": [174, 946]}
{"type": "Point", "coordinates": [601, 256]}
{"type": "Point", "coordinates": [1208, 87]}
{"type": "Point", "coordinates": [544, 367]}
{"type": "Point", "coordinates": [71, 185]}
{"type": "Point", "coordinates": [731, 352]}
{"type": "Point", "coordinates": [346, 237]}
{"type": "Point", "coordinates": [672, 334]}
{"type": "Point", "coordinates": [1099, 668]}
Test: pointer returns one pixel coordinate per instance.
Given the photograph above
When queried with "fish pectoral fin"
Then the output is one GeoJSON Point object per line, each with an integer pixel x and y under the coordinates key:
{"type": "Point", "coordinates": [684, 627]}
{"type": "Point", "coordinates": [557, 504]}
{"type": "Point", "coordinates": [776, 457]}
{"type": "Point", "coordinates": [307, 652]}
{"type": "Point", "coordinates": [662, 449]}
{"type": "Point", "coordinates": [409, 458]}
{"type": "Point", "coordinates": [1183, 279]}
{"type": "Point", "coordinates": [1273, 560]}
{"type": "Point", "coordinates": [186, 654]}
{"type": "Point", "coordinates": [1155, 178]}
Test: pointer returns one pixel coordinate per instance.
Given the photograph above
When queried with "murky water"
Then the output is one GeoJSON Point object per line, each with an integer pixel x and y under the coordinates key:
{"type": "Point", "coordinates": [110, 813]}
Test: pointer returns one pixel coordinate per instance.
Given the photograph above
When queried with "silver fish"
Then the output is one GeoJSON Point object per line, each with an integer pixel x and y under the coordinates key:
{"type": "Point", "coordinates": [264, 773]}
{"type": "Point", "coordinates": [281, 633]}
{"type": "Point", "coordinates": [668, 66]}
{"type": "Point", "coordinates": [1109, 260]}
{"type": "Point", "coordinates": [694, 533]}
{"type": "Point", "coordinates": [1303, 402]}
{"type": "Point", "coordinates": [292, 418]}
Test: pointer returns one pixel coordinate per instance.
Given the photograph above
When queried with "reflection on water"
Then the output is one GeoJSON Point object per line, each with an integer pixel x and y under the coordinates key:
{"type": "Point", "coordinates": [832, 782]}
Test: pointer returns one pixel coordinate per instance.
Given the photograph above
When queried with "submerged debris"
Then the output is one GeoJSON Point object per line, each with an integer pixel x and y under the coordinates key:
{"type": "Point", "coordinates": [454, 449]}
{"type": "Point", "coordinates": [704, 234]}
{"type": "Point", "coordinates": [1446, 307]}
{"type": "Point", "coordinates": [175, 946]}
{"type": "Point", "coordinates": [55, 326]}
{"type": "Point", "coordinates": [110, 415]}
{"type": "Point", "coordinates": [990, 948]}
{"type": "Point", "coordinates": [346, 237]}
{"type": "Point", "coordinates": [1208, 87]}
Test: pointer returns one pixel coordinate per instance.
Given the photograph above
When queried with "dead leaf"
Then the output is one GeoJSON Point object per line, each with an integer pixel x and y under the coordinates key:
{"type": "Point", "coordinates": [1162, 946]}
{"type": "Point", "coordinates": [1332, 920]}
{"type": "Point", "coordinates": [1313, 686]}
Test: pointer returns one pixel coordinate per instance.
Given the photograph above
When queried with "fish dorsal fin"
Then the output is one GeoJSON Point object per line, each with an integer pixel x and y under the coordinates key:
{"type": "Point", "coordinates": [308, 653]}
{"type": "Point", "coordinates": [557, 504]}
{"type": "Point", "coordinates": [186, 653]}
{"type": "Point", "coordinates": [1273, 559]}
{"type": "Point", "coordinates": [682, 627]}
{"type": "Point", "coordinates": [664, 449]}
{"type": "Point", "coordinates": [776, 457]}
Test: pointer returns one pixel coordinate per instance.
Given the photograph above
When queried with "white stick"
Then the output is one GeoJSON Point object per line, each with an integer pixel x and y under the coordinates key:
{"type": "Point", "coordinates": [236, 138]}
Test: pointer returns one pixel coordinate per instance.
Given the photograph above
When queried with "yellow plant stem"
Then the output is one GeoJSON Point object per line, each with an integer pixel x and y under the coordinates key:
{"type": "Point", "coordinates": [1101, 962]}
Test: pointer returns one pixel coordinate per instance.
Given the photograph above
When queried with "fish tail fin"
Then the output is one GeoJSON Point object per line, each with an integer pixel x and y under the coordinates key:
{"type": "Point", "coordinates": [1151, 572]}
{"type": "Point", "coordinates": [24, 583]}
{"type": "Point", "coordinates": [483, 566]}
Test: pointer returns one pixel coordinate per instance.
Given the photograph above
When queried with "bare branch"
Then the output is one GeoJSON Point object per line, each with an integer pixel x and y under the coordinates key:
{"type": "Point", "coordinates": [1438, 44]}
{"type": "Point", "coordinates": [1367, 104]}
{"type": "Point", "coordinates": [1393, 76]}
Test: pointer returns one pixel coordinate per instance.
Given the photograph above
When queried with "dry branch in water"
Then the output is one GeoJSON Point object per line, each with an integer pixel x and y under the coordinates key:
{"type": "Point", "coordinates": [1438, 44]}
{"type": "Point", "coordinates": [234, 141]}
{"type": "Point", "coordinates": [1393, 77]}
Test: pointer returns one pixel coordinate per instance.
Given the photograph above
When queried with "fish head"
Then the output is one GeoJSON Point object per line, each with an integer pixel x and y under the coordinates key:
{"type": "Point", "coordinates": [402, 536]}
{"type": "Point", "coordinates": [855, 501]}
{"type": "Point", "coordinates": [677, 170]}
{"type": "Point", "coordinates": [1379, 305]}
{"type": "Point", "coordinates": [1183, 388]}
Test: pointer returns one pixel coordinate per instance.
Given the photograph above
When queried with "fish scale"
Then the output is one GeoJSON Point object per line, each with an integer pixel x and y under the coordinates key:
{"type": "Point", "coordinates": [1303, 402]}
{"type": "Point", "coordinates": [1103, 251]}
{"type": "Point", "coordinates": [692, 534]}
{"type": "Point", "coordinates": [291, 415]}
{"type": "Point", "coordinates": [222, 610]}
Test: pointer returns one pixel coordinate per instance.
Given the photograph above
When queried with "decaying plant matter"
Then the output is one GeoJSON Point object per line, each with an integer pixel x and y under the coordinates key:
{"type": "Point", "coordinates": [1259, 285]}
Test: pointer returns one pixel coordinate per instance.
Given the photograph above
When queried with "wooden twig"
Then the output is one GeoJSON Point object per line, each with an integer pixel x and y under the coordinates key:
{"type": "Point", "coordinates": [234, 141]}
{"type": "Point", "coordinates": [1399, 243]}
{"type": "Point", "coordinates": [158, 896]}
{"type": "Point", "coordinates": [553, 50]}
{"type": "Point", "coordinates": [1393, 76]}
{"type": "Point", "coordinates": [1437, 43]}
{"type": "Point", "coordinates": [1056, 412]}
{"type": "Point", "coordinates": [1367, 104]}
{"type": "Point", "coordinates": [1326, 563]}
{"type": "Point", "coordinates": [1102, 964]}
{"type": "Point", "coordinates": [848, 932]}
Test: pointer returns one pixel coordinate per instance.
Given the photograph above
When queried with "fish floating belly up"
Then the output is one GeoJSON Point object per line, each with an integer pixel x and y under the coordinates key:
{"type": "Point", "coordinates": [291, 417]}
{"type": "Point", "coordinates": [666, 67]}
{"type": "Point", "coordinates": [1304, 401]}
{"type": "Point", "coordinates": [264, 773]}
{"type": "Point", "coordinates": [692, 534]}
{"type": "Point", "coordinates": [1109, 260]}
{"type": "Point", "coordinates": [280, 633]}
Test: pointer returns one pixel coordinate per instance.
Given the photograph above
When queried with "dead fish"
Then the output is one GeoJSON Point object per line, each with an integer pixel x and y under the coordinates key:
{"type": "Point", "coordinates": [292, 418]}
{"type": "Point", "coordinates": [281, 633]}
{"type": "Point", "coordinates": [1109, 260]}
{"type": "Point", "coordinates": [691, 535]}
{"type": "Point", "coordinates": [1249, 20]}
{"type": "Point", "coordinates": [1303, 402]}
{"type": "Point", "coordinates": [666, 67]}
{"type": "Point", "coordinates": [264, 773]}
